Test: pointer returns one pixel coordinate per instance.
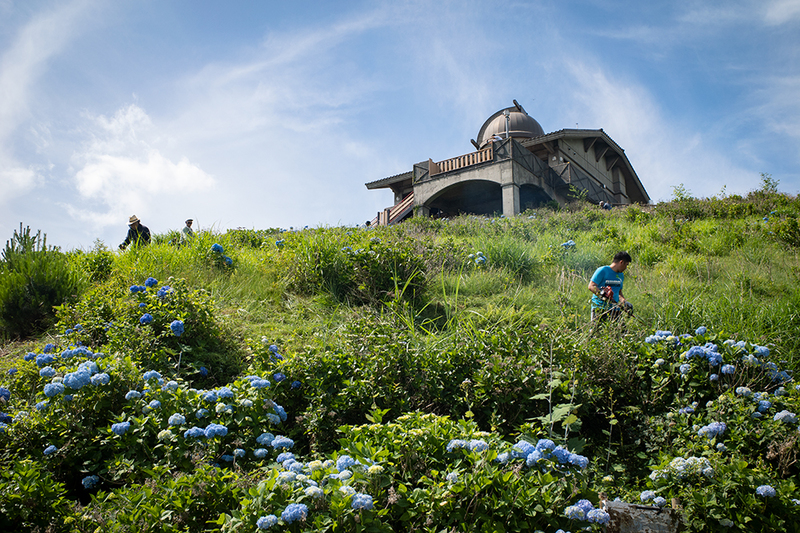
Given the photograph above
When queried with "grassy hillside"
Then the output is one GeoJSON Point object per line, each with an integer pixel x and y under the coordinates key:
{"type": "Point", "coordinates": [439, 375]}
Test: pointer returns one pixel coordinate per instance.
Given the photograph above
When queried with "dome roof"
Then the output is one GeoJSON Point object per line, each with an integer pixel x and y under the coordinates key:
{"type": "Point", "coordinates": [520, 125]}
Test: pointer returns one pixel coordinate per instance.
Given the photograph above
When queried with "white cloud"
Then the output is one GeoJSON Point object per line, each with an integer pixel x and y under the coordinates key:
{"type": "Point", "coordinates": [664, 154]}
{"type": "Point", "coordinates": [20, 65]}
{"type": "Point", "coordinates": [122, 170]}
{"type": "Point", "coordinates": [781, 11]}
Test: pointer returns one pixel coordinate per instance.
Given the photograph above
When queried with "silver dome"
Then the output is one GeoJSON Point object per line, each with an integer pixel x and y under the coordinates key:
{"type": "Point", "coordinates": [521, 126]}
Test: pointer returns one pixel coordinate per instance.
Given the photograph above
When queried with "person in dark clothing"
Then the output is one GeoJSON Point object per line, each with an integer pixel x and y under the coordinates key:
{"type": "Point", "coordinates": [137, 233]}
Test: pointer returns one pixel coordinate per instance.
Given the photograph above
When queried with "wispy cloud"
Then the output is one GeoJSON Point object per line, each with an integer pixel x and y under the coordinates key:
{"type": "Point", "coordinates": [37, 42]}
{"type": "Point", "coordinates": [663, 153]}
{"type": "Point", "coordinates": [121, 170]}
{"type": "Point", "coordinates": [778, 12]}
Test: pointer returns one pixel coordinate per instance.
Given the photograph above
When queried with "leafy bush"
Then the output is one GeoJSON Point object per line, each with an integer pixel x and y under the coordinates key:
{"type": "Point", "coordinates": [33, 279]}
{"type": "Point", "coordinates": [137, 321]}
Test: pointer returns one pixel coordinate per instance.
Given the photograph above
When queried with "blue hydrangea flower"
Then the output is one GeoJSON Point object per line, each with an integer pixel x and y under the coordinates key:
{"type": "Point", "coordinates": [659, 501]}
{"type": "Point", "coordinates": [177, 419]}
{"type": "Point", "coordinates": [133, 395]}
{"type": "Point", "coordinates": [766, 491]}
{"type": "Point", "coordinates": [227, 458]}
{"type": "Point", "coordinates": [578, 460]}
{"type": "Point", "coordinates": [50, 449]}
{"type": "Point", "coordinates": [44, 359]}
{"type": "Point", "coordinates": [764, 405]}
{"type": "Point", "coordinates": [100, 379]}
{"type": "Point", "coordinates": [279, 376]}
{"type": "Point", "coordinates": [177, 328]}
{"type": "Point", "coordinates": [194, 433]}
{"type": "Point", "coordinates": [573, 512]}
{"type": "Point", "coordinates": [685, 368]}
{"type": "Point", "coordinates": [273, 418]}
{"type": "Point", "coordinates": [260, 383]}
{"type": "Point", "coordinates": [12, 371]}
{"type": "Point", "coordinates": [228, 260]}
{"type": "Point", "coordinates": [743, 391]}
{"type": "Point", "coordinates": [452, 477]}
{"type": "Point", "coordinates": [120, 428]}
{"type": "Point", "coordinates": [151, 374]}
{"type": "Point", "coordinates": [545, 445]}
{"type": "Point", "coordinates": [647, 495]}
{"type": "Point", "coordinates": [150, 282]}
{"type": "Point", "coordinates": [266, 522]}
{"type": "Point", "coordinates": [700, 331]}
{"type": "Point", "coordinates": [281, 412]}
{"type": "Point", "coordinates": [224, 392]}
{"type": "Point", "coordinates": [155, 404]}
{"type": "Point", "coordinates": [90, 481]}
{"type": "Point", "coordinates": [713, 377]}
{"type": "Point", "coordinates": [728, 369]}
{"type": "Point", "coordinates": [344, 462]}
{"type": "Point", "coordinates": [203, 371]}
{"type": "Point", "coordinates": [239, 452]}
{"type": "Point", "coordinates": [53, 389]}
{"type": "Point", "coordinates": [49, 347]}
{"type": "Point", "coordinates": [598, 516]}
{"type": "Point", "coordinates": [478, 445]}
{"type": "Point", "coordinates": [712, 430]}
{"type": "Point", "coordinates": [456, 444]}
{"type": "Point", "coordinates": [362, 502]}
{"type": "Point", "coordinates": [201, 413]}
{"type": "Point", "coordinates": [30, 356]}
{"type": "Point", "coordinates": [47, 372]}
{"type": "Point", "coordinates": [282, 442]}
{"type": "Point", "coordinates": [217, 248]}
{"type": "Point", "coordinates": [296, 384]}
{"type": "Point", "coordinates": [210, 396]}
{"type": "Point", "coordinates": [78, 379]}
{"type": "Point", "coordinates": [163, 291]}
{"type": "Point", "coordinates": [294, 512]}
{"type": "Point", "coordinates": [787, 417]}
{"type": "Point", "coordinates": [561, 454]}
{"type": "Point", "coordinates": [284, 456]}
{"type": "Point", "coordinates": [533, 458]}
{"type": "Point", "coordinates": [265, 439]}
{"type": "Point", "coordinates": [215, 430]}
{"type": "Point", "coordinates": [260, 453]}
{"type": "Point", "coordinates": [315, 492]}
{"type": "Point", "coordinates": [145, 319]}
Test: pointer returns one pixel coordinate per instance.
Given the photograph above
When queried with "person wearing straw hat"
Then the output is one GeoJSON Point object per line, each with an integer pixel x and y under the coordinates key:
{"type": "Point", "coordinates": [187, 233]}
{"type": "Point", "coordinates": [137, 233]}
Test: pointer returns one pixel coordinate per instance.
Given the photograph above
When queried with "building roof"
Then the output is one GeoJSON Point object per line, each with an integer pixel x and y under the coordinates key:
{"type": "Point", "coordinates": [589, 137]}
{"type": "Point", "coordinates": [386, 182]}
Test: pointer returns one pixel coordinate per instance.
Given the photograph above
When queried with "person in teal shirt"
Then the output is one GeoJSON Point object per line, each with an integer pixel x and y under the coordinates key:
{"type": "Point", "coordinates": [606, 288]}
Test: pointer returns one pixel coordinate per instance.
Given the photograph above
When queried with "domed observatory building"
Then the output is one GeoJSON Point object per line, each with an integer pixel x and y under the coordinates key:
{"type": "Point", "coordinates": [515, 166]}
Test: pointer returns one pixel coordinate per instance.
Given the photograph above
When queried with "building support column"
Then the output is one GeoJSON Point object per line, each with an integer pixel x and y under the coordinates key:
{"type": "Point", "coordinates": [422, 211]}
{"type": "Point", "coordinates": [510, 200]}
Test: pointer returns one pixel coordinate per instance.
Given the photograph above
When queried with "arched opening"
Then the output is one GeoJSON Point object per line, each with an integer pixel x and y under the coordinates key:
{"type": "Point", "coordinates": [474, 197]}
{"type": "Point", "coordinates": [532, 197]}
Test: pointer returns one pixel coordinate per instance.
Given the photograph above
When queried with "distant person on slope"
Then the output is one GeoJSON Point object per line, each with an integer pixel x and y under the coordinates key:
{"type": "Point", "coordinates": [137, 233]}
{"type": "Point", "coordinates": [187, 233]}
{"type": "Point", "coordinates": [606, 288]}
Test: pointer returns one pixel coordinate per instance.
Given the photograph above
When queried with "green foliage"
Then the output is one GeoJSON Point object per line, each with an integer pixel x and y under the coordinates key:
{"type": "Point", "coordinates": [111, 319]}
{"type": "Point", "coordinates": [30, 499]}
{"type": "Point", "coordinates": [33, 279]}
{"type": "Point", "coordinates": [385, 344]}
{"type": "Point", "coordinates": [354, 268]}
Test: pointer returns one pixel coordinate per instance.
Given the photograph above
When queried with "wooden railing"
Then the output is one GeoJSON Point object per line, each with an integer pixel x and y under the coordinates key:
{"type": "Point", "coordinates": [391, 214]}
{"type": "Point", "coordinates": [467, 160]}
{"type": "Point", "coordinates": [400, 208]}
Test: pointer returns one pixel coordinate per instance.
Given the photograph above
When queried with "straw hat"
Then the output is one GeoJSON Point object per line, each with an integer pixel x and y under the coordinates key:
{"type": "Point", "coordinates": [134, 219]}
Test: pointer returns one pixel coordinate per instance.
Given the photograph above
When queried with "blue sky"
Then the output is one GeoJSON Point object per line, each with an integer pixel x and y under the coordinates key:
{"type": "Point", "coordinates": [264, 114]}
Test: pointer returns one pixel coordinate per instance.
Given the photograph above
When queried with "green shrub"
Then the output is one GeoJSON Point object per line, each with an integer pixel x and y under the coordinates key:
{"type": "Point", "coordinates": [31, 500]}
{"type": "Point", "coordinates": [34, 278]}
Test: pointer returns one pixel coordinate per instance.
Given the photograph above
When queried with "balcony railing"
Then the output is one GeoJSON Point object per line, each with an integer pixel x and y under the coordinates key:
{"type": "Point", "coordinates": [462, 161]}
